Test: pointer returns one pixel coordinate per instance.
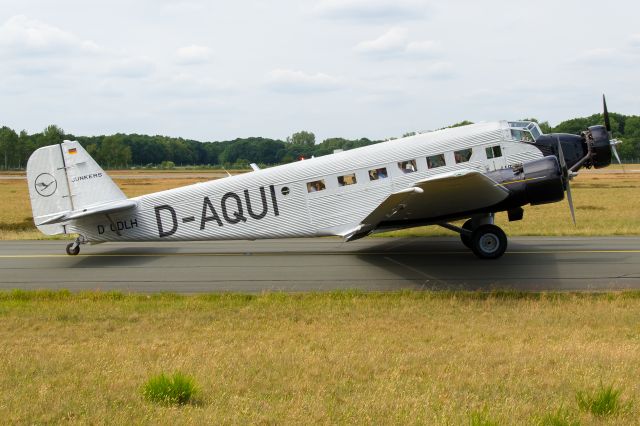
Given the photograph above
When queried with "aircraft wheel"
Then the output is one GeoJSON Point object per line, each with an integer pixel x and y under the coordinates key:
{"type": "Point", "coordinates": [466, 239]}
{"type": "Point", "coordinates": [488, 242]}
{"type": "Point", "coordinates": [71, 250]}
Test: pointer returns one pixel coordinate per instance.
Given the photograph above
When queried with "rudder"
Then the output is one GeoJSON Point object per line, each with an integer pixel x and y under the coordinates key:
{"type": "Point", "coordinates": [64, 178]}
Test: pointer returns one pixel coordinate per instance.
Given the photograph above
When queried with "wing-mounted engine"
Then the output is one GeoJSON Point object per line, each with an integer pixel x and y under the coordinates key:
{"type": "Point", "coordinates": [534, 182]}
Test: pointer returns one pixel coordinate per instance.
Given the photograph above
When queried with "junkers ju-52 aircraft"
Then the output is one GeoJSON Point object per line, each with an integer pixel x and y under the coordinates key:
{"type": "Point", "coordinates": [469, 172]}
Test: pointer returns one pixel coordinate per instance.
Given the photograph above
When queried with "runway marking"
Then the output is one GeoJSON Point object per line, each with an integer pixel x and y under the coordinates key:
{"type": "Point", "coordinates": [292, 253]}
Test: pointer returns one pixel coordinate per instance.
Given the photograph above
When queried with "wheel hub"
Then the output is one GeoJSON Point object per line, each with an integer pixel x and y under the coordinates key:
{"type": "Point", "coordinates": [489, 243]}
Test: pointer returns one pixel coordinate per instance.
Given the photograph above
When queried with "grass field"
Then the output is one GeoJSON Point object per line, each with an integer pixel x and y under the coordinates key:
{"type": "Point", "coordinates": [606, 204]}
{"type": "Point", "coordinates": [400, 358]}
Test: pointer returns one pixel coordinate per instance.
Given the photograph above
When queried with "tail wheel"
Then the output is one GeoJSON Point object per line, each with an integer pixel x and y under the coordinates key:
{"type": "Point", "coordinates": [488, 242]}
{"type": "Point", "coordinates": [466, 238]}
{"type": "Point", "coordinates": [73, 249]}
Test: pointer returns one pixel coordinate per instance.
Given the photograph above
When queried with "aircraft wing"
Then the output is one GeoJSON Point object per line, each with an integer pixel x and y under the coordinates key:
{"type": "Point", "coordinates": [106, 208]}
{"type": "Point", "coordinates": [437, 196]}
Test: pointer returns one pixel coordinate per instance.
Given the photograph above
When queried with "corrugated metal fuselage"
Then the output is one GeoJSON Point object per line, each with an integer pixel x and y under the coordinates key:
{"type": "Point", "coordinates": [275, 202]}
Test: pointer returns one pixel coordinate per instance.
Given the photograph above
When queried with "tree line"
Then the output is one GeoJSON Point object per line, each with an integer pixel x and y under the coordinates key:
{"type": "Point", "coordinates": [127, 150]}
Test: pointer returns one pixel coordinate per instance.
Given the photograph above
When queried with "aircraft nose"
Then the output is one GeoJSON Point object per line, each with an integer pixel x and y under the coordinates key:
{"type": "Point", "coordinates": [601, 146]}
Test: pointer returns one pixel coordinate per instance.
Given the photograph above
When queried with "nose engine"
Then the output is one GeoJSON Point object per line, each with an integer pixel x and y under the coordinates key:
{"type": "Point", "coordinates": [592, 148]}
{"type": "Point", "coordinates": [599, 145]}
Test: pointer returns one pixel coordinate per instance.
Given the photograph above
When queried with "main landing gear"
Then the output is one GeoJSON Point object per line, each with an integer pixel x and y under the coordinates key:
{"type": "Point", "coordinates": [74, 248]}
{"type": "Point", "coordinates": [486, 240]}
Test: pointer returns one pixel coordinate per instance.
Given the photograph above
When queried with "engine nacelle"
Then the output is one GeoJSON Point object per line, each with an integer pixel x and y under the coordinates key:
{"type": "Point", "coordinates": [534, 182]}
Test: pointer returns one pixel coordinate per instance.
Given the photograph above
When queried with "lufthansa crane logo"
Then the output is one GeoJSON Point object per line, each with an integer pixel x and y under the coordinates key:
{"type": "Point", "coordinates": [46, 184]}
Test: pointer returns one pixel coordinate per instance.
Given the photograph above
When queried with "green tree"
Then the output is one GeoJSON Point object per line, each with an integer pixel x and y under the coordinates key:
{"type": "Point", "coordinates": [8, 147]}
{"type": "Point", "coordinates": [113, 152]}
{"type": "Point", "coordinates": [52, 135]}
{"type": "Point", "coordinates": [630, 148]}
{"type": "Point", "coordinates": [303, 138]}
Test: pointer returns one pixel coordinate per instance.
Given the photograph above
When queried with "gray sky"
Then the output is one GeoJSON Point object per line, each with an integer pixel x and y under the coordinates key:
{"type": "Point", "coordinates": [214, 70]}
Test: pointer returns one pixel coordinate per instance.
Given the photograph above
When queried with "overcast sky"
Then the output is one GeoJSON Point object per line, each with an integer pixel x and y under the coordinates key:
{"type": "Point", "coordinates": [215, 70]}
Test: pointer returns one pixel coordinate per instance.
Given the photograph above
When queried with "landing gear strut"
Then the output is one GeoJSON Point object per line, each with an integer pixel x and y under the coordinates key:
{"type": "Point", "coordinates": [74, 248]}
{"type": "Point", "coordinates": [481, 236]}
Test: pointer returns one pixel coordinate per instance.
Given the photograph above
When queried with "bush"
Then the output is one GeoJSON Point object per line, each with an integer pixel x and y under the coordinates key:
{"type": "Point", "coordinates": [167, 165]}
{"type": "Point", "coordinates": [177, 389]}
{"type": "Point", "coordinates": [605, 401]}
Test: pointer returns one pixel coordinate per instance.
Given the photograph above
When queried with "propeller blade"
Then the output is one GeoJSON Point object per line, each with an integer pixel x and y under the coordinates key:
{"type": "Point", "coordinates": [563, 163]}
{"type": "Point", "coordinates": [570, 200]}
{"type": "Point", "coordinates": [567, 177]}
{"type": "Point", "coordinates": [607, 122]}
{"type": "Point", "coordinates": [615, 153]}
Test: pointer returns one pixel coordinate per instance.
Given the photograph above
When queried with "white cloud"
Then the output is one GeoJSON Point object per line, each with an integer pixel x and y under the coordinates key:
{"type": "Point", "coordinates": [193, 55]}
{"type": "Point", "coordinates": [372, 10]}
{"type": "Point", "coordinates": [634, 40]}
{"type": "Point", "coordinates": [132, 68]}
{"type": "Point", "coordinates": [291, 81]}
{"type": "Point", "coordinates": [184, 85]}
{"type": "Point", "coordinates": [22, 36]}
{"type": "Point", "coordinates": [395, 42]}
{"type": "Point", "coordinates": [425, 48]}
{"type": "Point", "coordinates": [391, 42]}
{"type": "Point", "coordinates": [441, 71]}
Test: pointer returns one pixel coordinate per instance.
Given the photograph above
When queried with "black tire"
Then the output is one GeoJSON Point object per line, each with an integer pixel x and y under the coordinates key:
{"type": "Point", "coordinates": [488, 242]}
{"type": "Point", "coordinates": [72, 251]}
{"type": "Point", "coordinates": [466, 238]}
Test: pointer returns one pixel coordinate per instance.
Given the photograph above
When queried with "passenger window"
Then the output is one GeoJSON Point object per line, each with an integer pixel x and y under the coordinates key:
{"type": "Point", "coordinates": [376, 174]}
{"type": "Point", "coordinates": [462, 156]}
{"type": "Point", "coordinates": [436, 161]}
{"type": "Point", "coordinates": [347, 180]}
{"type": "Point", "coordinates": [494, 152]}
{"type": "Point", "coordinates": [408, 166]}
{"type": "Point", "coordinates": [316, 185]}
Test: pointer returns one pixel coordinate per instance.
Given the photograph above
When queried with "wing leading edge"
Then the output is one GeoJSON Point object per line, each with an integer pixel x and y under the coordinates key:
{"type": "Point", "coordinates": [437, 196]}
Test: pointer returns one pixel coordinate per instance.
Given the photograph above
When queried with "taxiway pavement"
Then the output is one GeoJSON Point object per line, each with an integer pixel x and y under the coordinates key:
{"type": "Point", "coordinates": [371, 264]}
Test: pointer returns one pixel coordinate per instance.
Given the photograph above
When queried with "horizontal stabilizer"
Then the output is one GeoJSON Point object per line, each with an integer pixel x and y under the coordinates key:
{"type": "Point", "coordinates": [113, 207]}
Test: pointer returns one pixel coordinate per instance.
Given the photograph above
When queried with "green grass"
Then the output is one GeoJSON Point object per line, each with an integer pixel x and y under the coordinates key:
{"type": "Point", "coordinates": [176, 389]}
{"type": "Point", "coordinates": [339, 357]}
{"type": "Point", "coordinates": [604, 401]}
{"type": "Point", "coordinates": [481, 419]}
{"type": "Point", "coordinates": [560, 417]}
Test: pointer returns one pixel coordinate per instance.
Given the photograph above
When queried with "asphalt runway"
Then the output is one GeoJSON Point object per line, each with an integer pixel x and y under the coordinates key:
{"type": "Point", "coordinates": [371, 264]}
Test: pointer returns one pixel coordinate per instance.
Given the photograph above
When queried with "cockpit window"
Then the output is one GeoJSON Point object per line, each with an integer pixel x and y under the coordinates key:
{"type": "Point", "coordinates": [535, 130]}
{"type": "Point", "coordinates": [526, 131]}
{"type": "Point", "coordinates": [522, 135]}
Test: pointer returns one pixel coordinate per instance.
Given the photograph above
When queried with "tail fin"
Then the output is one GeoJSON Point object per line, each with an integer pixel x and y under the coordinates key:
{"type": "Point", "coordinates": [64, 178]}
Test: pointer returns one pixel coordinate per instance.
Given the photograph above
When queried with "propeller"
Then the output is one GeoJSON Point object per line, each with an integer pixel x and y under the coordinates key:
{"type": "Point", "coordinates": [607, 122]}
{"type": "Point", "coordinates": [607, 125]}
{"type": "Point", "coordinates": [567, 176]}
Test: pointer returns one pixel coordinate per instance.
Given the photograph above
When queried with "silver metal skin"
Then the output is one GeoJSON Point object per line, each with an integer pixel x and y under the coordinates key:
{"type": "Point", "coordinates": [303, 199]}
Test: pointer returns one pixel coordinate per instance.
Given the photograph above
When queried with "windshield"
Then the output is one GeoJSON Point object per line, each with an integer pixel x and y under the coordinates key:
{"type": "Point", "coordinates": [525, 131]}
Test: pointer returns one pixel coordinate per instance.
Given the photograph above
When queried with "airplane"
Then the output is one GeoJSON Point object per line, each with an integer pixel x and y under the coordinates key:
{"type": "Point", "coordinates": [470, 172]}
